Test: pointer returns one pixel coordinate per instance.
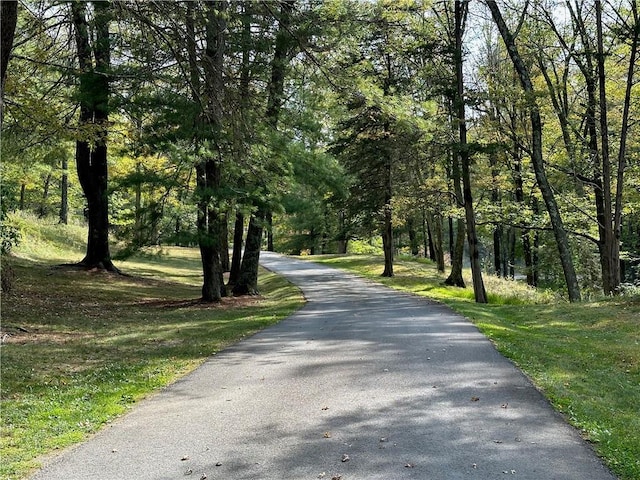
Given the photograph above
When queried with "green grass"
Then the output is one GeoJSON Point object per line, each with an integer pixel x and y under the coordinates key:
{"type": "Point", "coordinates": [80, 348]}
{"type": "Point", "coordinates": [584, 357]}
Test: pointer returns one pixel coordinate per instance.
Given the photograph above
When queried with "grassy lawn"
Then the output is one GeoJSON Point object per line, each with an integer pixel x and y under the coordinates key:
{"type": "Point", "coordinates": [80, 348]}
{"type": "Point", "coordinates": [585, 358]}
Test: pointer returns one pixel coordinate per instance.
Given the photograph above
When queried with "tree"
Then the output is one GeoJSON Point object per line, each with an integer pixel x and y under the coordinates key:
{"type": "Point", "coordinates": [247, 282]}
{"type": "Point", "coordinates": [209, 169]}
{"type": "Point", "coordinates": [480, 294]}
{"type": "Point", "coordinates": [536, 154]}
{"type": "Point", "coordinates": [93, 51]}
{"type": "Point", "coordinates": [584, 47]}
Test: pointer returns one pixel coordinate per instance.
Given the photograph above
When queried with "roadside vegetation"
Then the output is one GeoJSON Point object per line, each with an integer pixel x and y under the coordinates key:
{"type": "Point", "coordinates": [80, 347]}
{"type": "Point", "coordinates": [585, 357]}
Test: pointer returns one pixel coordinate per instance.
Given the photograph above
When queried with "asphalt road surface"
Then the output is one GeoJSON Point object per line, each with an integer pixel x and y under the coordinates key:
{"type": "Point", "coordinates": [362, 383]}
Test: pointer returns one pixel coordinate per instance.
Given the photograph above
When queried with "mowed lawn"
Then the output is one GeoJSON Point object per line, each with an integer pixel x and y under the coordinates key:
{"type": "Point", "coordinates": [584, 357]}
{"type": "Point", "coordinates": [80, 348]}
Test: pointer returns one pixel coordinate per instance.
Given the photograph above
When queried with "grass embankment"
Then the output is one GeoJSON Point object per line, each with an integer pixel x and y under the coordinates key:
{"type": "Point", "coordinates": [79, 348]}
{"type": "Point", "coordinates": [584, 357]}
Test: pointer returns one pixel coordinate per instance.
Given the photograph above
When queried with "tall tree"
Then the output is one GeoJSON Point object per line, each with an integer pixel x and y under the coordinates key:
{"type": "Point", "coordinates": [247, 282]}
{"type": "Point", "coordinates": [461, 8]}
{"type": "Point", "coordinates": [94, 53]}
{"type": "Point", "coordinates": [209, 168]}
{"type": "Point", "coordinates": [559, 231]}
{"type": "Point", "coordinates": [584, 46]}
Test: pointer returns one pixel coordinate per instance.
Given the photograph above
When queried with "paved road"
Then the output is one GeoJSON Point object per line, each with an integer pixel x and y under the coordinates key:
{"type": "Point", "coordinates": [399, 387]}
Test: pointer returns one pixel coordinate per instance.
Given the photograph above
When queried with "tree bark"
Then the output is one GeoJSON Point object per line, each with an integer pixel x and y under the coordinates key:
{"type": "Point", "coordinates": [457, 255]}
{"type": "Point", "coordinates": [8, 27]}
{"type": "Point", "coordinates": [43, 209]}
{"type": "Point", "coordinates": [236, 257]}
{"type": "Point", "coordinates": [91, 156]}
{"type": "Point", "coordinates": [428, 241]}
{"type": "Point", "coordinates": [387, 226]}
{"type": "Point", "coordinates": [457, 252]}
{"type": "Point", "coordinates": [434, 226]}
{"type": "Point", "coordinates": [413, 237]}
{"type": "Point", "coordinates": [247, 283]}
{"type": "Point", "coordinates": [560, 234]}
{"type": "Point", "coordinates": [622, 149]}
{"type": "Point", "coordinates": [479, 291]}
{"type": "Point", "coordinates": [209, 170]}
{"type": "Point", "coordinates": [64, 192]}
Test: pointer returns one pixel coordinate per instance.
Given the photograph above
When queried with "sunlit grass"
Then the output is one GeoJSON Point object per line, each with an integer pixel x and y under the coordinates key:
{"type": "Point", "coordinates": [80, 348]}
{"type": "Point", "coordinates": [584, 357]}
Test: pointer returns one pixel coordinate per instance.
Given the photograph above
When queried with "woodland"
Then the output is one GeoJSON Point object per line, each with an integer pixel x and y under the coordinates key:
{"type": "Point", "coordinates": [497, 135]}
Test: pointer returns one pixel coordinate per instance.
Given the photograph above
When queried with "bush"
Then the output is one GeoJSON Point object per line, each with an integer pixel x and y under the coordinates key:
{"type": "Point", "coordinates": [362, 247]}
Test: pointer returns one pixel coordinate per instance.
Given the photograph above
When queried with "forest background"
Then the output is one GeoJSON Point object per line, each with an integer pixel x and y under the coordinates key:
{"type": "Point", "coordinates": [325, 122]}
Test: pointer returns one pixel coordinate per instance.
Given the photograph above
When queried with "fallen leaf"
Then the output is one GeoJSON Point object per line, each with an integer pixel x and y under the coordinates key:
{"type": "Point", "coordinates": [188, 471]}
{"type": "Point", "coordinates": [327, 435]}
{"type": "Point", "coordinates": [345, 457]}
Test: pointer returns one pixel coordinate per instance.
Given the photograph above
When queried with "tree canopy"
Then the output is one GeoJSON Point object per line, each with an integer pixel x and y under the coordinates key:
{"type": "Point", "coordinates": [326, 123]}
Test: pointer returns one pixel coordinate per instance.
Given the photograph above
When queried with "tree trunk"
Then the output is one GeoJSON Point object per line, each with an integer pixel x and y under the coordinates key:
{"type": "Point", "coordinates": [451, 237]}
{"type": "Point", "coordinates": [457, 255]}
{"type": "Point", "coordinates": [270, 232]}
{"type": "Point", "coordinates": [498, 229]}
{"type": "Point", "coordinates": [465, 160]}
{"type": "Point", "coordinates": [209, 170]}
{"type": "Point", "coordinates": [8, 21]}
{"type": "Point", "coordinates": [536, 157]}
{"type": "Point", "coordinates": [247, 283]}
{"type": "Point", "coordinates": [91, 156]}
{"type": "Point", "coordinates": [43, 210]}
{"type": "Point", "coordinates": [224, 243]}
{"type": "Point", "coordinates": [511, 237]}
{"type": "Point", "coordinates": [387, 226]}
{"type": "Point", "coordinates": [433, 256]}
{"type": "Point", "coordinates": [64, 192]}
{"type": "Point", "coordinates": [8, 25]}
{"type": "Point", "coordinates": [236, 257]}
{"type": "Point", "coordinates": [457, 249]}
{"type": "Point", "coordinates": [622, 149]}
{"type": "Point", "coordinates": [413, 237]}
{"type": "Point", "coordinates": [207, 180]}
{"type": "Point", "coordinates": [434, 225]}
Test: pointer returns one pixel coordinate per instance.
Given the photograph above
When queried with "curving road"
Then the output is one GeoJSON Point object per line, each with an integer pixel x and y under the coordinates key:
{"type": "Point", "coordinates": [362, 383]}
